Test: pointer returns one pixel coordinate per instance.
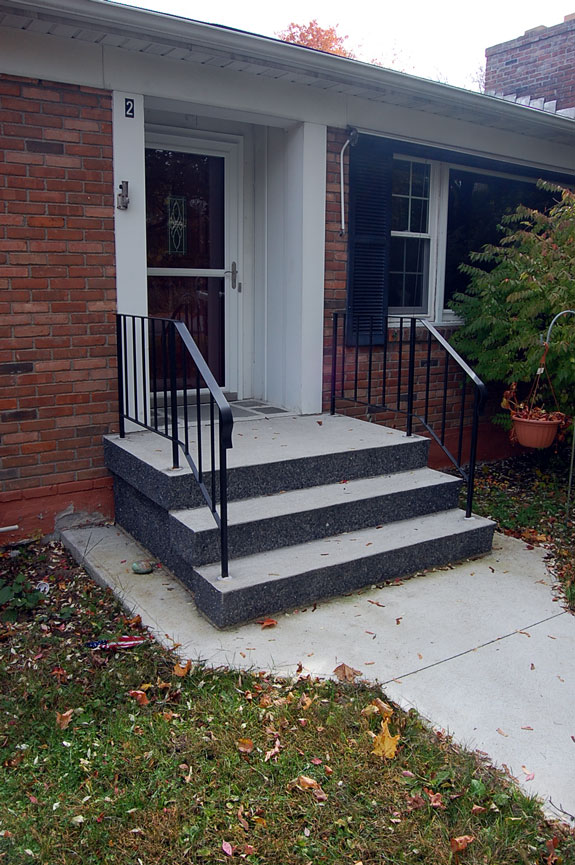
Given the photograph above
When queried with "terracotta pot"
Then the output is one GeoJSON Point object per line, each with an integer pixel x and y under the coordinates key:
{"type": "Point", "coordinates": [535, 433]}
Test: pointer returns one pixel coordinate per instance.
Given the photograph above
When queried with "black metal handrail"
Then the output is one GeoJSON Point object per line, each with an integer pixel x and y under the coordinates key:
{"type": "Point", "coordinates": [159, 367]}
{"type": "Point", "coordinates": [380, 377]}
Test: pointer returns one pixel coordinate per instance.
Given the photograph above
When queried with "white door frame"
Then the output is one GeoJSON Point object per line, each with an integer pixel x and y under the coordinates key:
{"type": "Point", "coordinates": [230, 147]}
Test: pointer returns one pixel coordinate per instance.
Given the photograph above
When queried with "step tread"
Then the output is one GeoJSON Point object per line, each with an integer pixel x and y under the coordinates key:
{"type": "Point", "coordinates": [286, 562]}
{"type": "Point", "coordinates": [261, 441]}
{"type": "Point", "coordinates": [245, 511]}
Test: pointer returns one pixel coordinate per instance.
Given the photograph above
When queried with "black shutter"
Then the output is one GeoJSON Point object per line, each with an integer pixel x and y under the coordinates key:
{"type": "Point", "coordinates": [369, 240]}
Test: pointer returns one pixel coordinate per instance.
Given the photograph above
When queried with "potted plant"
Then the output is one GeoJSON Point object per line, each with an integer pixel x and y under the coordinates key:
{"type": "Point", "coordinates": [533, 426]}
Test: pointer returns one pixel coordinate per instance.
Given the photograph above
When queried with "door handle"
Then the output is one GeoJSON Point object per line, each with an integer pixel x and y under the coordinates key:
{"type": "Point", "coordinates": [234, 274]}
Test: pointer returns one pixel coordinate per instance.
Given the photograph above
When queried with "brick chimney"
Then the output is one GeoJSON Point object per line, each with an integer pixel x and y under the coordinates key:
{"type": "Point", "coordinates": [536, 69]}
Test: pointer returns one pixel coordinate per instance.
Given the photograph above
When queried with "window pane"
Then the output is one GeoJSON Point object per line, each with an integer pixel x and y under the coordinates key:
{"type": "Point", "coordinates": [399, 214]}
{"type": "Point", "coordinates": [418, 221]}
{"type": "Point", "coordinates": [477, 203]}
{"type": "Point", "coordinates": [420, 179]}
{"type": "Point", "coordinates": [184, 209]}
{"type": "Point", "coordinates": [408, 274]}
{"type": "Point", "coordinates": [401, 177]}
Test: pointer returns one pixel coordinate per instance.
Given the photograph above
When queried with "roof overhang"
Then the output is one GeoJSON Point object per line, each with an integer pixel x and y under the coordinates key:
{"type": "Point", "coordinates": [189, 42]}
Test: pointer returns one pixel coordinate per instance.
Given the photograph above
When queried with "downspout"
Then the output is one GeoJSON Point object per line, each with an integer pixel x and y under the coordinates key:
{"type": "Point", "coordinates": [352, 138]}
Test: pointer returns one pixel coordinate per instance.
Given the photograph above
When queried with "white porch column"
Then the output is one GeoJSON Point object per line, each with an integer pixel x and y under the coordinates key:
{"type": "Point", "coordinates": [130, 224]}
{"type": "Point", "coordinates": [295, 278]}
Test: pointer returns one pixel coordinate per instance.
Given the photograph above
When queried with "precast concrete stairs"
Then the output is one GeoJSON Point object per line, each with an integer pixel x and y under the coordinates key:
{"type": "Point", "coordinates": [318, 506]}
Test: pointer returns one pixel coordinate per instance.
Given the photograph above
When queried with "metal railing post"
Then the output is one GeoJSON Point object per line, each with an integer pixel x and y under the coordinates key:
{"type": "Point", "coordinates": [473, 453]}
{"type": "Point", "coordinates": [173, 394]}
{"type": "Point", "coordinates": [224, 509]}
{"type": "Point", "coordinates": [335, 321]}
{"type": "Point", "coordinates": [411, 377]}
{"type": "Point", "coordinates": [120, 359]}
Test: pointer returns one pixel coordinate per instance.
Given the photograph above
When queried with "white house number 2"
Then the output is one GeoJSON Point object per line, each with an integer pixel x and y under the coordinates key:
{"type": "Point", "coordinates": [129, 107]}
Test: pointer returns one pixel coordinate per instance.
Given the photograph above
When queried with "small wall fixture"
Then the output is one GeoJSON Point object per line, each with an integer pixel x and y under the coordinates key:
{"type": "Point", "coordinates": [123, 197]}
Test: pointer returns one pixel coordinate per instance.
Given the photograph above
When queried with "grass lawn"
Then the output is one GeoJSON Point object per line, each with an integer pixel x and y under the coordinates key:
{"type": "Point", "coordinates": [126, 756]}
{"type": "Point", "coordinates": [526, 495]}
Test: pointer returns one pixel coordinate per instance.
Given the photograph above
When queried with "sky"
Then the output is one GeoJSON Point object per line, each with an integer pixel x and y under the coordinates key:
{"type": "Point", "coordinates": [444, 40]}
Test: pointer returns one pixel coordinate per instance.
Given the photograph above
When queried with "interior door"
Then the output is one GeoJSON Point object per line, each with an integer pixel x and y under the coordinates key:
{"type": "Point", "coordinates": [191, 253]}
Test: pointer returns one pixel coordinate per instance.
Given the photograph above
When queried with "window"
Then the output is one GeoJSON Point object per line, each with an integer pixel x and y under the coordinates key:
{"type": "Point", "coordinates": [410, 237]}
{"type": "Point", "coordinates": [412, 221]}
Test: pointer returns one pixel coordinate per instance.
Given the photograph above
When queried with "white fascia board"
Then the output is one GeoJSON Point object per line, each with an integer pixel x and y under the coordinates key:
{"type": "Point", "coordinates": [441, 98]}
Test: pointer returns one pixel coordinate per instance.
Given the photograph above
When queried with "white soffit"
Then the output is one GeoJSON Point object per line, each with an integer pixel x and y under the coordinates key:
{"type": "Point", "coordinates": [144, 32]}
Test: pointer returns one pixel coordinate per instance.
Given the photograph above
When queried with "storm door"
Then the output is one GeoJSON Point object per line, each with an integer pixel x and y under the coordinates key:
{"type": "Point", "coordinates": [189, 253]}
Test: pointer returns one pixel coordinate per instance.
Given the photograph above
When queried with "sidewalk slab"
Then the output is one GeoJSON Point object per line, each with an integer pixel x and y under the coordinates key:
{"type": "Point", "coordinates": [458, 644]}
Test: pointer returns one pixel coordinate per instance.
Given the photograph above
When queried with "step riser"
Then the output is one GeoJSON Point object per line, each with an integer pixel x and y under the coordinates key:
{"type": "Point", "coordinates": [248, 603]}
{"type": "Point", "coordinates": [199, 548]}
{"type": "Point", "coordinates": [179, 490]}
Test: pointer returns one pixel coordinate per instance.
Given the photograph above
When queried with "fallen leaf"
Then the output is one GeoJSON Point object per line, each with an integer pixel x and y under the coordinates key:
{"type": "Point", "coordinates": [245, 746]}
{"type": "Point", "coordinates": [248, 849]}
{"type": "Point", "coordinates": [345, 673]}
{"type": "Point", "coordinates": [398, 620]}
{"type": "Point", "coordinates": [273, 752]}
{"type": "Point", "coordinates": [267, 623]}
{"type": "Point", "coordinates": [182, 671]}
{"type": "Point", "coordinates": [478, 809]}
{"type": "Point", "coordinates": [435, 799]}
{"type": "Point", "coordinates": [501, 733]}
{"type": "Point", "coordinates": [375, 603]}
{"type": "Point", "coordinates": [526, 728]}
{"type": "Point", "coordinates": [384, 744]}
{"type": "Point", "coordinates": [63, 719]}
{"type": "Point", "coordinates": [78, 819]}
{"type": "Point", "coordinates": [415, 802]}
{"type": "Point", "coordinates": [458, 845]}
{"type": "Point", "coordinates": [242, 820]}
{"type": "Point", "coordinates": [316, 761]}
{"type": "Point", "coordinates": [139, 697]}
{"type": "Point", "coordinates": [377, 706]}
{"type": "Point", "coordinates": [227, 848]}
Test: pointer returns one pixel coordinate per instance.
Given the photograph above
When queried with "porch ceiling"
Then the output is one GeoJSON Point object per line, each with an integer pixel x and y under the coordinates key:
{"type": "Point", "coordinates": [194, 42]}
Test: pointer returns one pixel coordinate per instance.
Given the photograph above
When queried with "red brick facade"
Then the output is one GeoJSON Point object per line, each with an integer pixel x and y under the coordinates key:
{"type": "Point", "coordinates": [393, 370]}
{"type": "Point", "coordinates": [57, 300]}
{"type": "Point", "coordinates": [539, 64]}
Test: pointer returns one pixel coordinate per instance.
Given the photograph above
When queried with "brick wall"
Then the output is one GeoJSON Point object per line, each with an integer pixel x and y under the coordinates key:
{"type": "Point", "coordinates": [388, 375]}
{"type": "Point", "coordinates": [539, 64]}
{"type": "Point", "coordinates": [57, 299]}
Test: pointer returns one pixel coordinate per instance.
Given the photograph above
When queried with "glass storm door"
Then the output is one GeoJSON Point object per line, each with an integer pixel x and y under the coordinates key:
{"type": "Point", "coordinates": [188, 246]}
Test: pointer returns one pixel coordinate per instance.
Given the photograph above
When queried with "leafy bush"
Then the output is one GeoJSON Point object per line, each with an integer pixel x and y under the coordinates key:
{"type": "Point", "coordinates": [17, 597]}
{"type": "Point", "coordinates": [515, 290]}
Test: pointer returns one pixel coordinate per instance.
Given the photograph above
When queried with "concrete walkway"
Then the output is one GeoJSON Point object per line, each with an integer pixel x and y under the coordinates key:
{"type": "Point", "coordinates": [483, 650]}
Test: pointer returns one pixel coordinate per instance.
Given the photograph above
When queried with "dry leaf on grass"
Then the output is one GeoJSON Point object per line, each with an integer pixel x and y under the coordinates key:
{"type": "Point", "coordinates": [63, 719]}
{"type": "Point", "coordinates": [273, 753]}
{"type": "Point", "coordinates": [346, 674]}
{"type": "Point", "coordinates": [461, 843]}
{"type": "Point", "coordinates": [384, 744]}
{"type": "Point", "coordinates": [245, 746]}
{"type": "Point", "coordinates": [182, 671]}
{"type": "Point", "coordinates": [303, 782]}
{"type": "Point", "coordinates": [139, 697]}
{"type": "Point", "coordinates": [377, 706]}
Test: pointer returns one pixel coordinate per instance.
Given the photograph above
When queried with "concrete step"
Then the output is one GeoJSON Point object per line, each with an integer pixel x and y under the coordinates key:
{"type": "Point", "coordinates": [269, 455]}
{"type": "Point", "coordinates": [268, 522]}
{"type": "Point", "coordinates": [290, 577]}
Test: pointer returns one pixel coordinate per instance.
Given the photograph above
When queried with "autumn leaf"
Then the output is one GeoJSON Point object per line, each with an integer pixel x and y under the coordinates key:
{"type": "Point", "coordinates": [415, 802]}
{"type": "Point", "coordinates": [242, 820]}
{"type": "Point", "coordinates": [245, 746]}
{"type": "Point", "coordinates": [139, 697]}
{"type": "Point", "coordinates": [267, 623]}
{"type": "Point", "coordinates": [182, 671]}
{"type": "Point", "coordinates": [227, 848]}
{"type": "Point", "coordinates": [303, 782]}
{"type": "Point", "coordinates": [273, 752]}
{"type": "Point", "coordinates": [435, 799]}
{"type": "Point", "coordinates": [461, 843]}
{"type": "Point", "coordinates": [478, 809]}
{"type": "Point", "coordinates": [377, 706]}
{"type": "Point", "coordinates": [346, 674]}
{"type": "Point", "coordinates": [63, 719]}
{"type": "Point", "coordinates": [384, 744]}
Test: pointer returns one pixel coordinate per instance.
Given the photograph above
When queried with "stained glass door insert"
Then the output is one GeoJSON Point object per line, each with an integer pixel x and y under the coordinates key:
{"type": "Point", "coordinates": [185, 232]}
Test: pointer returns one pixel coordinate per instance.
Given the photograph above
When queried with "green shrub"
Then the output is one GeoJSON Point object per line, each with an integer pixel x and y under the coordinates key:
{"type": "Point", "coordinates": [17, 597]}
{"type": "Point", "coordinates": [515, 290]}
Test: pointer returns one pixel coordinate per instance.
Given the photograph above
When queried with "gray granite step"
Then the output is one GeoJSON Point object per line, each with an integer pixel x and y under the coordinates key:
{"type": "Point", "coordinates": [291, 577]}
{"type": "Point", "coordinates": [268, 522]}
{"type": "Point", "coordinates": [268, 456]}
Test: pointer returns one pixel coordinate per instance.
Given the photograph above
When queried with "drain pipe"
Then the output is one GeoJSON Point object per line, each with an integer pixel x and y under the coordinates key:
{"type": "Point", "coordinates": [352, 138]}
